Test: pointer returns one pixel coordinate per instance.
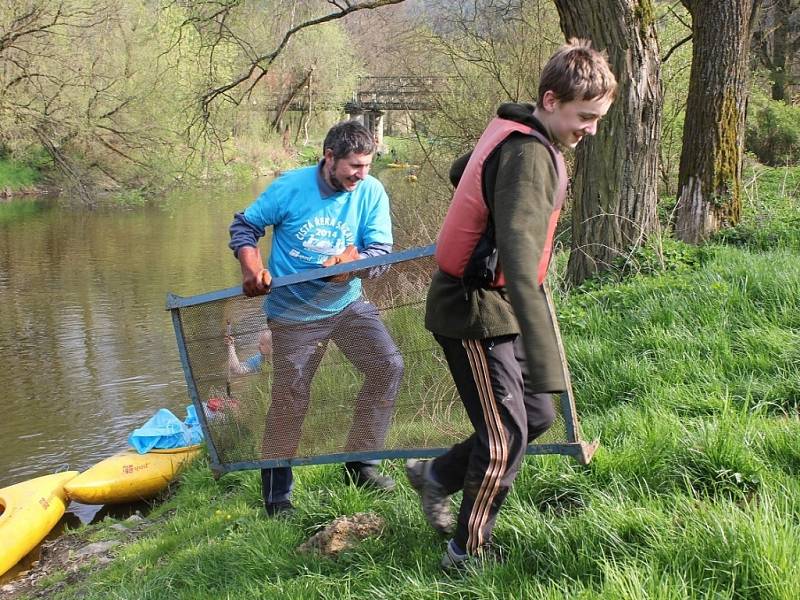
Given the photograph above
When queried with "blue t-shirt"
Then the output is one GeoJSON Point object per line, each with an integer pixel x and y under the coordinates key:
{"type": "Point", "coordinates": [307, 230]}
{"type": "Point", "coordinates": [253, 364]}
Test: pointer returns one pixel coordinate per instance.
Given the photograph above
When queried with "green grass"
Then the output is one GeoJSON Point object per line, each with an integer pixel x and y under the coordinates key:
{"type": "Point", "coordinates": [689, 376]}
{"type": "Point", "coordinates": [770, 218]}
{"type": "Point", "coordinates": [16, 176]}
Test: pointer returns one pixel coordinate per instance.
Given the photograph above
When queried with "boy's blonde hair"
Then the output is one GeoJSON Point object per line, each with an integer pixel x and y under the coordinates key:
{"type": "Point", "coordinates": [577, 72]}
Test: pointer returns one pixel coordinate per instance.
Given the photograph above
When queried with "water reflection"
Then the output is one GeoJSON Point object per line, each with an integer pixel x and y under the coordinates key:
{"type": "Point", "coordinates": [87, 351]}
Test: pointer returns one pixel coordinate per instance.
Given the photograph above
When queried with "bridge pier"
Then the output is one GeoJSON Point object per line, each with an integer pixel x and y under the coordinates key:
{"type": "Point", "coordinates": [355, 114]}
{"type": "Point", "coordinates": [372, 120]}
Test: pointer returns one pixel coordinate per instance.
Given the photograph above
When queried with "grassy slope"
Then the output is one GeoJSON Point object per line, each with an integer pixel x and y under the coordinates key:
{"type": "Point", "coordinates": [691, 378]}
{"type": "Point", "coordinates": [16, 176]}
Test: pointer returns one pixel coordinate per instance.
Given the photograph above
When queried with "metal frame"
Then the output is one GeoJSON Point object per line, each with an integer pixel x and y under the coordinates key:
{"type": "Point", "coordinates": [580, 450]}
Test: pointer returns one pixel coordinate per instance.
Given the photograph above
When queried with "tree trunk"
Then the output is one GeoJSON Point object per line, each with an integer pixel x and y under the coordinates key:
{"type": "Point", "coordinates": [710, 176]}
{"type": "Point", "coordinates": [616, 176]}
{"type": "Point", "coordinates": [283, 105]}
{"type": "Point", "coordinates": [779, 42]}
{"type": "Point", "coordinates": [776, 42]}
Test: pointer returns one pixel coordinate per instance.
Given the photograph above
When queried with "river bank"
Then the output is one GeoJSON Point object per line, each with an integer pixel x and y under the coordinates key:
{"type": "Point", "coordinates": [689, 377]}
{"type": "Point", "coordinates": [67, 559]}
{"type": "Point", "coordinates": [8, 194]}
{"type": "Point", "coordinates": [689, 373]}
{"type": "Point", "coordinates": [21, 180]}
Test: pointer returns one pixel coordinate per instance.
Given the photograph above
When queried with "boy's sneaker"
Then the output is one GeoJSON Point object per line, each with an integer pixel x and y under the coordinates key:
{"type": "Point", "coordinates": [435, 499]}
{"type": "Point", "coordinates": [454, 560]}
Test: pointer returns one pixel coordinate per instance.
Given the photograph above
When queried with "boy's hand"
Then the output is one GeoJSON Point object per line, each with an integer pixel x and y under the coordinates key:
{"type": "Point", "coordinates": [350, 254]}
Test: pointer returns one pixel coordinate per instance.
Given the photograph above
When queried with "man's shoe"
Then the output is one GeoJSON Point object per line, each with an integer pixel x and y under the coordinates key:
{"type": "Point", "coordinates": [368, 476]}
{"type": "Point", "coordinates": [284, 508]}
{"type": "Point", "coordinates": [455, 561]}
{"type": "Point", "coordinates": [435, 499]}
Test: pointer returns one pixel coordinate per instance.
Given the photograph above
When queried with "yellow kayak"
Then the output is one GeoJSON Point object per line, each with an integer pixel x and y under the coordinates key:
{"type": "Point", "coordinates": [130, 476]}
{"type": "Point", "coordinates": [28, 511]}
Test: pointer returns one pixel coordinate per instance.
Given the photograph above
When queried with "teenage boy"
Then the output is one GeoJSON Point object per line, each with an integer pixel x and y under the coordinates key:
{"type": "Point", "coordinates": [486, 305]}
{"type": "Point", "coordinates": [322, 215]}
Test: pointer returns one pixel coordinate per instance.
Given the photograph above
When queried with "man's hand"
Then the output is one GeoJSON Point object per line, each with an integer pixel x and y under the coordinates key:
{"type": "Point", "coordinates": [350, 254]}
{"type": "Point", "coordinates": [256, 283]}
{"type": "Point", "coordinates": [256, 280]}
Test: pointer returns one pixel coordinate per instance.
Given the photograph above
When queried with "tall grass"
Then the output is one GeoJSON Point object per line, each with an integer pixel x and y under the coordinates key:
{"type": "Point", "coordinates": [691, 380]}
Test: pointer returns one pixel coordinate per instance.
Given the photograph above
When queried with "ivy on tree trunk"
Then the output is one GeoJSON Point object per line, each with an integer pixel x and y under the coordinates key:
{"type": "Point", "coordinates": [710, 176]}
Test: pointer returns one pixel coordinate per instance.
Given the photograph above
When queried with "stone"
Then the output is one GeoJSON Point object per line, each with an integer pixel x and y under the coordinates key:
{"type": "Point", "coordinates": [96, 548]}
{"type": "Point", "coordinates": [135, 518]}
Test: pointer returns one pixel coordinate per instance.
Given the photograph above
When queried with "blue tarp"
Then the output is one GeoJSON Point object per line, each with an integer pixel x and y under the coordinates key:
{"type": "Point", "coordinates": [165, 430]}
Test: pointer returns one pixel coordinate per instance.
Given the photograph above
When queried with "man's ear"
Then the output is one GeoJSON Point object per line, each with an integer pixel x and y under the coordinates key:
{"type": "Point", "coordinates": [549, 101]}
{"type": "Point", "coordinates": [328, 155]}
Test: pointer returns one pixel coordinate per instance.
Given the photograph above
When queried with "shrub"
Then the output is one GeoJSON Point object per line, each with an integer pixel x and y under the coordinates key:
{"type": "Point", "coordinates": [773, 132]}
{"type": "Point", "coordinates": [770, 217]}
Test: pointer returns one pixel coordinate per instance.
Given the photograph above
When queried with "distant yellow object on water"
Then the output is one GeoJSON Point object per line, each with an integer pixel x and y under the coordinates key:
{"type": "Point", "coordinates": [29, 511]}
{"type": "Point", "coordinates": [130, 476]}
{"type": "Point", "coordinates": [401, 166]}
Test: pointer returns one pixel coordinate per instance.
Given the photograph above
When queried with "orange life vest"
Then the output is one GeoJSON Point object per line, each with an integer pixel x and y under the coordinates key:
{"type": "Point", "coordinates": [463, 237]}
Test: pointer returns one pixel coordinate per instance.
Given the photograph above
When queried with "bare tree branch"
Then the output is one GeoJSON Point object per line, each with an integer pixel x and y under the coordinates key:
{"type": "Point", "coordinates": [262, 63]}
{"type": "Point", "coordinates": [675, 47]}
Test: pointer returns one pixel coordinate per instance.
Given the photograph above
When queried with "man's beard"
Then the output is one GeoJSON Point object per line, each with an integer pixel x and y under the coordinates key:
{"type": "Point", "coordinates": [336, 183]}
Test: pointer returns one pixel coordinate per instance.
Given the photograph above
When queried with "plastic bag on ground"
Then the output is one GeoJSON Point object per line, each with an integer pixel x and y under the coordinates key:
{"type": "Point", "coordinates": [164, 430]}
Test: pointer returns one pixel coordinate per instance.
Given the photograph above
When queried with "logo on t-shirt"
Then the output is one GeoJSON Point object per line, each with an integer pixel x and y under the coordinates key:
{"type": "Point", "coordinates": [323, 237]}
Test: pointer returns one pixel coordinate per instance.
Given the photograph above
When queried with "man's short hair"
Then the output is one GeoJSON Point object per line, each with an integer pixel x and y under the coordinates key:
{"type": "Point", "coordinates": [349, 136]}
{"type": "Point", "coordinates": [577, 72]}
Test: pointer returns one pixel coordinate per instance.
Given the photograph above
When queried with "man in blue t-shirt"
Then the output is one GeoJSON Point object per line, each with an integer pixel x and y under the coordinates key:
{"type": "Point", "coordinates": [323, 215]}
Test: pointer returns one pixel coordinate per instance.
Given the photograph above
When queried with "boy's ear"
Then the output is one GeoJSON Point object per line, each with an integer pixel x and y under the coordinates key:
{"type": "Point", "coordinates": [549, 101]}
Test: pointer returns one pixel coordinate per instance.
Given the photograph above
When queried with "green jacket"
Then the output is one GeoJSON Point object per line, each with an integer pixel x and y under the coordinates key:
{"type": "Point", "coordinates": [519, 185]}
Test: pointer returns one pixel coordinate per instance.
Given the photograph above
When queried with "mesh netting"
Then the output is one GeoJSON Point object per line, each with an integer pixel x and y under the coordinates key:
{"type": "Point", "coordinates": [335, 388]}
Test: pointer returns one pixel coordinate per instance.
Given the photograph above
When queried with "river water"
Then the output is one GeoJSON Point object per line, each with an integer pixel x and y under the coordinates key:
{"type": "Point", "coordinates": [87, 349]}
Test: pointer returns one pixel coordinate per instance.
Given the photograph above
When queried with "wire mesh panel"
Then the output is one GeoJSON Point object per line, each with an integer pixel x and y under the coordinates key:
{"type": "Point", "coordinates": [367, 381]}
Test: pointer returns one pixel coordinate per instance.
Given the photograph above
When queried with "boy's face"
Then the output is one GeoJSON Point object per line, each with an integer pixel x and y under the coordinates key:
{"type": "Point", "coordinates": [265, 344]}
{"type": "Point", "coordinates": [569, 122]}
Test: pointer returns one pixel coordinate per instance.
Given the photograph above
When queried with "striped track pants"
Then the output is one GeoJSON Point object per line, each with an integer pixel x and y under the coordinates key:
{"type": "Point", "coordinates": [492, 379]}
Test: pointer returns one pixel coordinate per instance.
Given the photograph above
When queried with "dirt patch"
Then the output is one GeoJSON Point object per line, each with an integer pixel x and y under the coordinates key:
{"type": "Point", "coordinates": [63, 561]}
{"type": "Point", "coordinates": [344, 533]}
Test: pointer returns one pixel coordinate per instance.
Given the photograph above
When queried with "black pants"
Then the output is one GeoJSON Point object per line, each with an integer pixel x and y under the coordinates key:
{"type": "Point", "coordinates": [491, 376]}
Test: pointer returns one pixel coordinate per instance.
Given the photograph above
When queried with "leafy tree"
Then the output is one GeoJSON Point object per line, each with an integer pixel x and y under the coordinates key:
{"type": "Point", "coordinates": [89, 82]}
{"type": "Point", "coordinates": [674, 35]}
{"type": "Point", "coordinates": [490, 51]}
{"type": "Point", "coordinates": [212, 18]}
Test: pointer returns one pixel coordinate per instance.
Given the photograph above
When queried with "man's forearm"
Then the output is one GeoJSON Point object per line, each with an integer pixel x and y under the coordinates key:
{"type": "Point", "coordinates": [256, 280]}
{"type": "Point", "coordinates": [250, 260]}
{"type": "Point", "coordinates": [243, 233]}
